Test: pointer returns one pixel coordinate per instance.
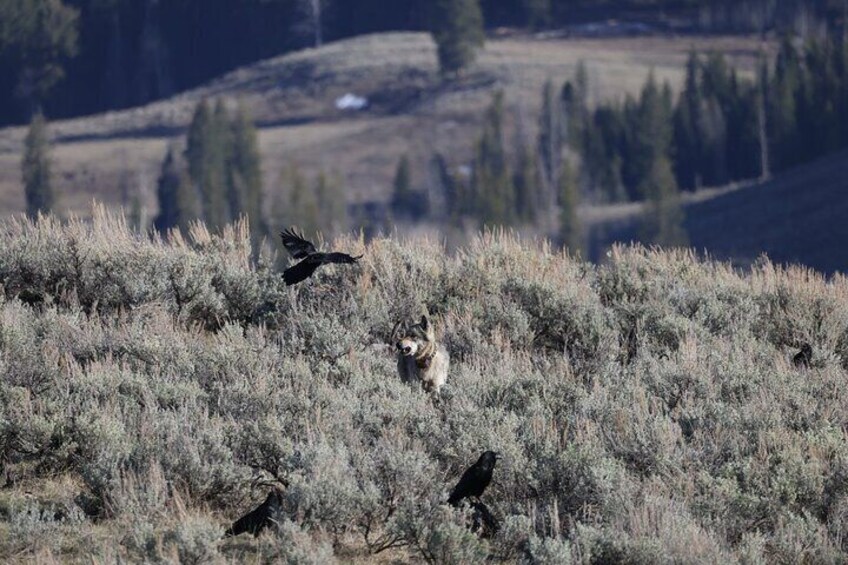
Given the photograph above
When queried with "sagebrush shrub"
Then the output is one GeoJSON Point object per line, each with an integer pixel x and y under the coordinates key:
{"type": "Point", "coordinates": [647, 409]}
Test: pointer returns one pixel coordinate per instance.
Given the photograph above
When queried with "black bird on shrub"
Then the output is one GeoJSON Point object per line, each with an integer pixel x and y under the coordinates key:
{"type": "Point", "coordinates": [475, 479]}
{"type": "Point", "coordinates": [804, 357]}
{"type": "Point", "coordinates": [311, 259]}
{"type": "Point", "coordinates": [259, 518]}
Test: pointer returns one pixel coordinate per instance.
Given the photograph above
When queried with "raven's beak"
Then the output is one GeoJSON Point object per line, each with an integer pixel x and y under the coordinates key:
{"type": "Point", "coordinates": [498, 456]}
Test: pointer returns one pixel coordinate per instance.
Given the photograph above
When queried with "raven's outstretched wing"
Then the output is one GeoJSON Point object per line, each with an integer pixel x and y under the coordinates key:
{"type": "Point", "coordinates": [301, 271]}
{"type": "Point", "coordinates": [339, 258]}
{"type": "Point", "coordinates": [296, 244]}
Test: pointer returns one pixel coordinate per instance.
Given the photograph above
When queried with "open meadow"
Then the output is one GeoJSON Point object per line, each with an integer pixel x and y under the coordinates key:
{"type": "Point", "coordinates": [648, 409]}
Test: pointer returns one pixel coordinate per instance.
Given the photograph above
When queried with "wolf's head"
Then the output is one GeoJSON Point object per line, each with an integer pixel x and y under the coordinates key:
{"type": "Point", "coordinates": [414, 339]}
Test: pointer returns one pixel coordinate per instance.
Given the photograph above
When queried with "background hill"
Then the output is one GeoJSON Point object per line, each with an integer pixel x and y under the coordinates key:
{"type": "Point", "coordinates": [411, 110]}
{"type": "Point", "coordinates": [79, 57]}
{"type": "Point", "coordinates": [647, 409]}
{"type": "Point", "coordinates": [797, 217]}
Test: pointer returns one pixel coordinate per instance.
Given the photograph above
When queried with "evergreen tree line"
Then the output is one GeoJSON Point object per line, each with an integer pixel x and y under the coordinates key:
{"type": "Point", "coordinates": [215, 176]}
{"type": "Point", "coordinates": [316, 206]}
{"type": "Point", "coordinates": [73, 57]}
{"type": "Point", "coordinates": [540, 183]}
{"type": "Point", "coordinates": [721, 128]}
{"type": "Point", "coordinates": [509, 184]}
{"type": "Point", "coordinates": [218, 178]}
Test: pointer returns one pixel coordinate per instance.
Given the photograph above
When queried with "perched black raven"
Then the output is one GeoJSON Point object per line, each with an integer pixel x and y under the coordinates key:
{"type": "Point", "coordinates": [804, 357]}
{"type": "Point", "coordinates": [475, 479]}
{"type": "Point", "coordinates": [311, 259]}
{"type": "Point", "coordinates": [259, 518]}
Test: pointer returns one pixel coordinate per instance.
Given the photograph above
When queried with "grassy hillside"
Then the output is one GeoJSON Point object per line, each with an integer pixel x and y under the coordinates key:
{"type": "Point", "coordinates": [647, 409]}
{"type": "Point", "coordinates": [411, 110]}
{"type": "Point", "coordinates": [797, 217]}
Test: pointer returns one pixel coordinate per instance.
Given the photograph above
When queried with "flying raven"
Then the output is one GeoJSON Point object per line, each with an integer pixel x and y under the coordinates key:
{"type": "Point", "coordinates": [804, 357]}
{"type": "Point", "coordinates": [311, 259]}
{"type": "Point", "coordinates": [475, 479]}
{"type": "Point", "coordinates": [259, 518]}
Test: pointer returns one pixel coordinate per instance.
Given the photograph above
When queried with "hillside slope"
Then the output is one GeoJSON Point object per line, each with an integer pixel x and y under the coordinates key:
{"type": "Point", "coordinates": [411, 110]}
{"type": "Point", "coordinates": [647, 410]}
{"type": "Point", "coordinates": [800, 216]}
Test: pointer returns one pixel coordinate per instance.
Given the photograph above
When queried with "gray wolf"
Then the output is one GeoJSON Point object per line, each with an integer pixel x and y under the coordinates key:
{"type": "Point", "coordinates": [420, 358]}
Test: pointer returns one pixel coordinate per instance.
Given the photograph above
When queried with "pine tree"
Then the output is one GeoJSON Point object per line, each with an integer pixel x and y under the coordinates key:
{"type": "Point", "coordinates": [312, 12]}
{"type": "Point", "coordinates": [301, 205]}
{"type": "Point", "coordinates": [449, 192]}
{"type": "Point", "coordinates": [40, 37]}
{"type": "Point", "coordinates": [137, 214]}
{"type": "Point", "coordinates": [570, 231]}
{"type": "Point", "coordinates": [575, 104]}
{"type": "Point", "coordinates": [551, 134]}
{"type": "Point", "coordinates": [178, 201]}
{"type": "Point", "coordinates": [581, 87]}
{"type": "Point", "coordinates": [332, 204]}
{"type": "Point", "coordinates": [35, 168]}
{"type": "Point", "coordinates": [526, 181]}
{"type": "Point", "coordinates": [603, 139]}
{"type": "Point", "coordinates": [720, 95]}
{"type": "Point", "coordinates": [821, 115]}
{"type": "Point", "coordinates": [842, 94]}
{"type": "Point", "coordinates": [152, 75]}
{"type": "Point", "coordinates": [712, 130]}
{"type": "Point", "coordinates": [221, 156]}
{"type": "Point", "coordinates": [649, 133]}
{"type": "Point", "coordinates": [458, 32]}
{"type": "Point", "coordinates": [245, 172]}
{"type": "Point", "coordinates": [402, 197]}
{"type": "Point", "coordinates": [687, 138]}
{"type": "Point", "coordinates": [664, 215]}
{"type": "Point", "coordinates": [782, 105]}
{"type": "Point", "coordinates": [114, 84]}
{"type": "Point", "coordinates": [716, 78]}
{"type": "Point", "coordinates": [206, 154]}
{"type": "Point", "coordinates": [494, 193]}
{"type": "Point", "coordinates": [744, 134]}
{"type": "Point", "coordinates": [762, 102]}
{"type": "Point", "coordinates": [537, 13]}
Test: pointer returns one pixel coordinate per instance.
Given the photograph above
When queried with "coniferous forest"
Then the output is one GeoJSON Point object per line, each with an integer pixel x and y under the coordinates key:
{"type": "Point", "coordinates": [721, 128]}
{"type": "Point", "coordinates": [77, 57]}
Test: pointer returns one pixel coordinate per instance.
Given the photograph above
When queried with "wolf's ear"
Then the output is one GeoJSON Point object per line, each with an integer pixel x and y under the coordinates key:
{"type": "Point", "coordinates": [396, 332]}
{"type": "Point", "coordinates": [425, 324]}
